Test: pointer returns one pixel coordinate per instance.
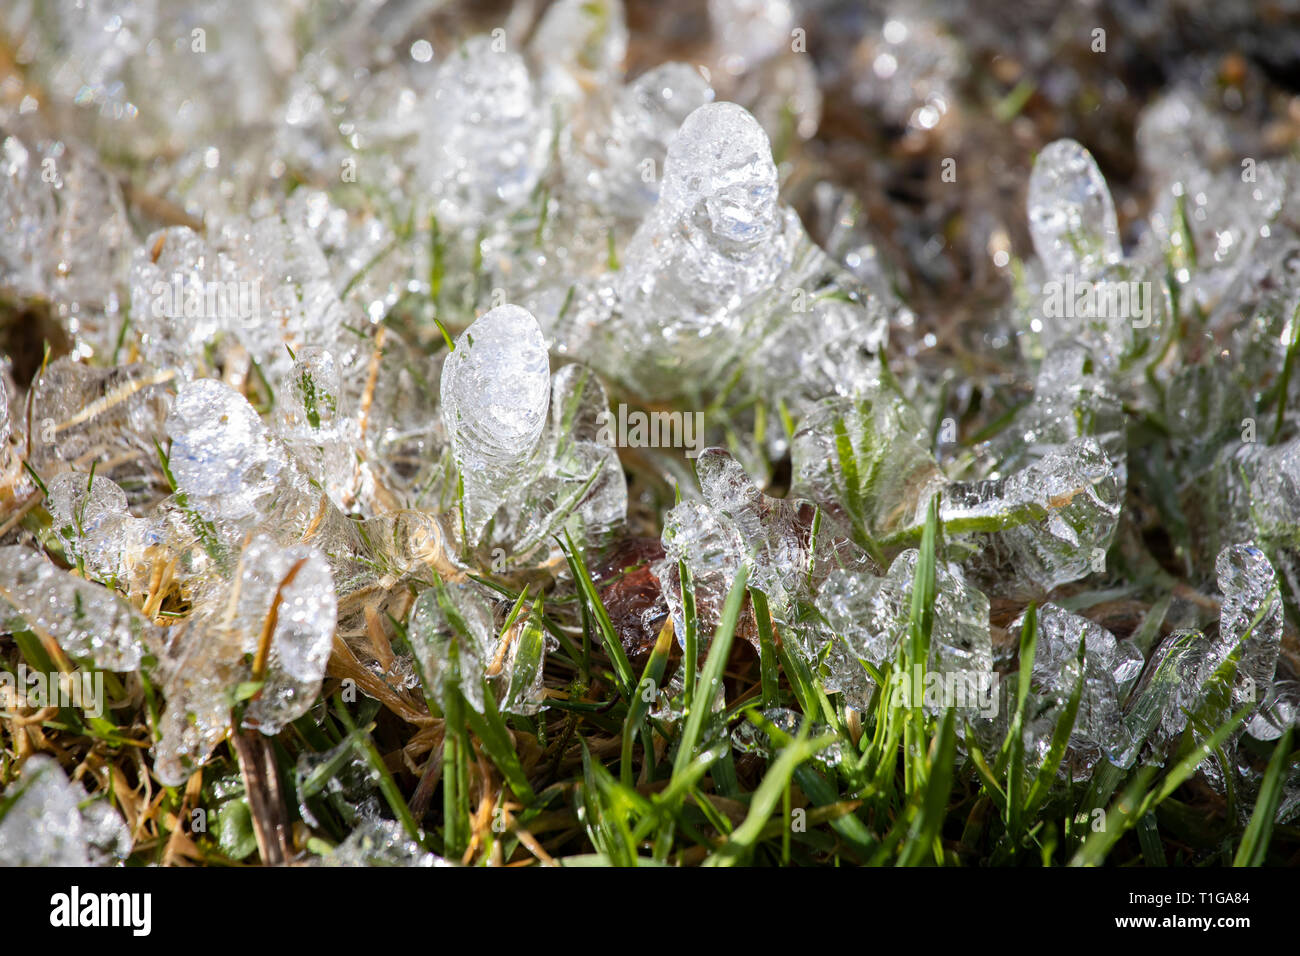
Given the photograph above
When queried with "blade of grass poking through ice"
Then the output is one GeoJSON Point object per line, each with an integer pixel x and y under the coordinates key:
{"type": "Point", "coordinates": [613, 646]}
{"type": "Point", "coordinates": [767, 648]}
{"type": "Point", "coordinates": [1060, 740]}
{"type": "Point", "coordinates": [529, 652]}
{"type": "Point", "coordinates": [646, 691]}
{"type": "Point", "coordinates": [699, 705]}
{"type": "Point", "coordinates": [859, 487]}
{"type": "Point", "coordinates": [1284, 380]}
{"type": "Point", "coordinates": [691, 627]}
{"type": "Point", "coordinates": [320, 777]}
{"type": "Point", "coordinates": [1254, 842]}
{"type": "Point", "coordinates": [1144, 714]}
{"type": "Point", "coordinates": [807, 690]}
{"type": "Point", "coordinates": [1136, 801]}
{"type": "Point", "coordinates": [920, 624]}
{"type": "Point", "coordinates": [1011, 758]}
{"type": "Point", "coordinates": [489, 727]}
{"type": "Point", "coordinates": [387, 785]}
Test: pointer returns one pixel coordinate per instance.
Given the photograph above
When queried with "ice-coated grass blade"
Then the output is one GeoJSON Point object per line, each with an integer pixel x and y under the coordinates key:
{"type": "Point", "coordinates": [1137, 800]}
{"type": "Point", "coordinates": [1060, 739]}
{"type": "Point", "coordinates": [920, 625]}
{"type": "Point", "coordinates": [767, 649]}
{"type": "Point", "coordinates": [699, 704]}
{"type": "Point", "coordinates": [387, 785]}
{"type": "Point", "coordinates": [691, 637]}
{"type": "Point", "coordinates": [699, 707]}
{"type": "Point", "coordinates": [1254, 842]}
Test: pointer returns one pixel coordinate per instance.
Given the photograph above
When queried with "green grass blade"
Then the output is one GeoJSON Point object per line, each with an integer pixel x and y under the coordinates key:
{"type": "Point", "coordinates": [1254, 842]}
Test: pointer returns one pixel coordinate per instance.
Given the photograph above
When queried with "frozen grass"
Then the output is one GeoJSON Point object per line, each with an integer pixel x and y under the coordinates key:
{"type": "Point", "coordinates": [595, 779]}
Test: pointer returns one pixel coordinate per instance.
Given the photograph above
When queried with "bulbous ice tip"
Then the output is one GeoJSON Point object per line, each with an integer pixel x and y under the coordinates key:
{"type": "Point", "coordinates": [496, 386]}
{"type": "Point", "coordinates": [1244, 572]}
{"type": "Point", "coordinates": [720, 164]}
{"type": "Point", "coordinates": [207, 401]}
{"type": "Point", "coordinates": [221, 452]}
{"type": "Point", "coordinates": [1071, 214]}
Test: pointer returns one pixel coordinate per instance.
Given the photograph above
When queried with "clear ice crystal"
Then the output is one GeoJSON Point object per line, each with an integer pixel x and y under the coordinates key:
{"type": "Point", "coordinates": [1177, 134]}
{"type": "Point", "coordinates": [1279, 708]}
{"type": "Point", "coordinates": [1071, 214]}
{"type": "Point", "coordinates": [58, 207]}
{"type": "Point", "coordinates": [1184, 665]}
{"type": "Point", "coordinates": [717, 274]}
{"type": "Point", "coordinates": [580, 488]}
{"type": "Point", "coordinates": [83, 414]}
{"type": "Point", "coordinates": [1250, 617]}
{"type": "Point", "coordinates": [871, 614]}
{"type": "Point", "coordinates": [263, 283]}
{"type": "Point", "coordinates": [709, 252]}
{"type": "Point", "coordinates": [171, 276]}
{"type": "Point", "coordinates": [487, 150]}
{"type": "Point", "coordinates": [910, 70]}
{"type": "Point", "coordinates": [787, 547]}
{"type": "Point", "coordinates": [224, 459]}
{"type": "Point", "coordinates": [91, 233]}
{"type": "Point", "coordinates": [749, 738]}
{"type": "Point", "coordinates": [496, 387]}
{"type": "Point", "coordinates": [43, 826]}
{"type": "Point", "coordinates": [277, 614]}
{"type": "Point", "coordinates": [108, 838]}
{"type": "Point", "coordinates": [866, 459]}
{"type": "Point", "coordinates": [27, 212]}
{"type": "Point", "coordinates": [198, 681]}
{"type": "Point", "coordinates": [340, 778]}
{"type": "Point", "coordinates": [312, 419]}
{"type": "Point", "coordinates": [1054, 518]}
{"type": "Point", "coordinates": [455, 637]}
{"type": "Point", "coordinates": [790, 547]}
{"type": "Point", "coordinates": [292, 590]}
{"type": "Point", "coordinates": [6, 424]}
{"type": "Point", "coordinates": [1157, 711]}
{"type": "Point", "coordinates": [712, 546]}
{"type": "Point", "coordinates": [1109, 668]}
{"type": "Point", "coordinates": [1217, 220]}
{"type": "Point", "coordinates": [760, 66]}
{"type": "Point", "coordinates": [644, 117]}
{"type": "Point", "coordinates": [1122, 313]}
{"type": "Point", "coordinates": [88, 621]}
{"type": "Point", "coordinates": [90, 516]}
{"type": "Point", "coordinates": [289, 288]}
{"type": "Point", "coordinates": [832, 350]}
{"type": "Point", "coordinates": [582, 43]}
{"type": "Point", "coordinates": [381, 843]}
{"type": "Point", "coordinates": [1072, 399]}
